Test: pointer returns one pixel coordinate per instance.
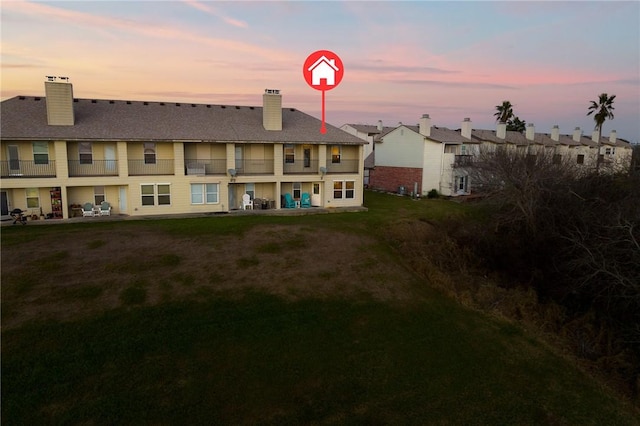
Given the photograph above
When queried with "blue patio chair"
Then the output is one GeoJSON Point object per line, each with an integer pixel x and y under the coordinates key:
{"type": "Point", "coordinates": [305, 200]}
{"type": "Point", "coordinates": [288, 201]}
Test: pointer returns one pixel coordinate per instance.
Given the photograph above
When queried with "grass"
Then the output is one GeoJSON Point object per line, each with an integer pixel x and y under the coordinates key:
{"type": "Point", "coordinates": [248, 357]}
{"type": "Point", "coordinates": [263, 360]}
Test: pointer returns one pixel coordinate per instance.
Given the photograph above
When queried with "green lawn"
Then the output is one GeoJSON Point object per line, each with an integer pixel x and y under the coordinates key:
{"type": "Point", "coordinates": [254, 358]}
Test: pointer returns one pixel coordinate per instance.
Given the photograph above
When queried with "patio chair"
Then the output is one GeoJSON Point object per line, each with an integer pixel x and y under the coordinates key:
{"type": "Point", "coordinates": [105, 209]}
{"type": "Point", "coordinates": [246, 202]}
{"type": "Point", "coordinates": [288, 201]}
{"type": "Point", "coordinates": [305, 200]}
{"type": "Point", "coordinates": [87, 210]}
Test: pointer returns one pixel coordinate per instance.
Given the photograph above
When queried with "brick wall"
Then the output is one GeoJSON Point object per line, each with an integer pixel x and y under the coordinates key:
{"type": "Point", "coordinates": [390, 178]}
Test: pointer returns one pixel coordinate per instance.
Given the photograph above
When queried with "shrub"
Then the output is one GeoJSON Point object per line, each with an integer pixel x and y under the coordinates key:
{"type": "Point", "coordinates": [433, 193]}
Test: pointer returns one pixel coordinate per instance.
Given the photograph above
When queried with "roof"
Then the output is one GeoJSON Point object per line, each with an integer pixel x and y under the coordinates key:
{"type": "Point", "coordinates": [443, 135]}
{"type": "Point", "coordinates": [25, 118]}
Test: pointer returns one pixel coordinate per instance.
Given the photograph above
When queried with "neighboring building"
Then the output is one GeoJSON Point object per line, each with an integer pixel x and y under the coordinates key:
{"type": "Point", "coordinates": [371, 134]}
{"type": "Point", "coordinates": [151, 158]}
{"type": "Point", "coordinates": [417, 159]}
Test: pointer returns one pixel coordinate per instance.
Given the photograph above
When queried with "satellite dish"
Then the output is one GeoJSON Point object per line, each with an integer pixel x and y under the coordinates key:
{"type": "Point", "coordinates": [323, 170]}
{"type": "Point", "coordinates": [232, 172]}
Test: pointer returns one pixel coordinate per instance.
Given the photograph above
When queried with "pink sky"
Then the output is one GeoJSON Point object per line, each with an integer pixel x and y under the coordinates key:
{"type": "Point", "coordinates": [449, 59]}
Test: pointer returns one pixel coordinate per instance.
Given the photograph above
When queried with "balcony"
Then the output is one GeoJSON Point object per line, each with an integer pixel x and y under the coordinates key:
{"type": "Point", "coordinates": [344, 166]}
{"type": "Point", "coordinates": [254, 167]}
{"type": "Point", "coordinates": [27, 169]}
{"type": "Point", "coordinates": [463, 161]}
{"type": "Point", "coordinates": [300, 167]}
{"type": "Point", "coordinates": [94, 168]}
{"type": "Point", "coordinates": [160, 167]}
{"type": "Point", "coordinates": [205, 166]}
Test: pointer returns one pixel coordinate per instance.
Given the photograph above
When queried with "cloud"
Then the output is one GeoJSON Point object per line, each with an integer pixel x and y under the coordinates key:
{"type": "Point", "coordinates": [152, 30]}
{"type": "Point", "coordinates": [456, 84]}
{"type": "Point", "coordinates": [207, 8]}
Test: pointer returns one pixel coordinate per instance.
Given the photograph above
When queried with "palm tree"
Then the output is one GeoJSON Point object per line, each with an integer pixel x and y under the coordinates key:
{"type": "Point", "coordinates": [504, 112]}
{"type": "Point", "coordinates": [517, 125]}
{"type": "Point", "coordinates": [603, 110]}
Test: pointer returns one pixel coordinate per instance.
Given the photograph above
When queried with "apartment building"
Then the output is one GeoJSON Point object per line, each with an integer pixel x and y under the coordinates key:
{"type": "Point", "coordinates": [157, 158]}
{"type": "Point", "coordinates": [417, 159]}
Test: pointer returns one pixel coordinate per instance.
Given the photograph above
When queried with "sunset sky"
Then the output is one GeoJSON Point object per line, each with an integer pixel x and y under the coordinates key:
{"type": "Point", "coordinates": [450, 60]}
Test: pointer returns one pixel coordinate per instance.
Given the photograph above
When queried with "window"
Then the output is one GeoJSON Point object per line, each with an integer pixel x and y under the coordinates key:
{"type": "Point", "coordinates": [344, 189]}
{"type": "Point", "coordinates": [289, 154]}
{"type": "Point", "coordinates": [148, 195]}
{"type": "Point", "coordinates": [153, 194]}
{"type": "Point", "coordinates": [204, 193]}
{"type": "Point", "coordinates": [316, 188]}
{"type": "Point", "coordinates": [98, 195]}
{"type": "Point", "coordinates": [33, 198]}
{"type": "Point", "coordinates": [297, 190]}
{"type": "Point", "coordinates": [164, 195]}
{"type": "Point", "coordinates": [580, 159]}
{"type": "Point", "coordinates": [307, 157]}
{"type": "Point", "coordinates": [462, 183]}
{"type": "Point", "coordinates": [463, 150]}
{"type": "Point", "coordinates": [149, 153]}
{"type": "Point", "coordinates": [336, 151]}
{"type": "Point", "coordinates": [85, 155]}
{"type": "Point", "coordinates": [610, 151]}
{"type": "Point", "coordinates": [40, 153]}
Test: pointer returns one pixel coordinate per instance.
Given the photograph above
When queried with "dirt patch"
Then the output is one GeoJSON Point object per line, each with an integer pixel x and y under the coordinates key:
{"type": "Point", "coordinates": [84, 273]}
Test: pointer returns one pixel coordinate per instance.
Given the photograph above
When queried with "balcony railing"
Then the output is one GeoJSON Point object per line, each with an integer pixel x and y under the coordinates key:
{"type": "Point", "coordinates": [301, 167]}
{"type": "Point", "coordinates": [205, 167]}
{"type": "Point", "coordinates": [463, 160]}
{"type": "Point", "coordinates": [254, 167]}
{"type": "Point", "coordinates": [95, 168]}
{"type": "Point", "coordinates": [344, 166]}
{"type": "Point", "coordinates": [160, 167]}
{"type": "Point", "coordinates": [27, 169]}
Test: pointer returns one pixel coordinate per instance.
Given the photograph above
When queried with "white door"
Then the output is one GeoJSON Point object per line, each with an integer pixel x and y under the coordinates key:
{"type": "Point", "coordinates": [122, 199]}
{"type": "Point", "coordinates": [110, 158]}
{"type": "Point", "coordinates": [316, 196]}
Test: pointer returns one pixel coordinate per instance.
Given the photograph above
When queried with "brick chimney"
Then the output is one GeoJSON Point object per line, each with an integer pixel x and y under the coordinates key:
{"type": "Point", "coordinates": [272, 109]}
{"type": "Point", "coordinates": [501, 130]}
{"type": "Point", "coordinates": [555, 133]}
{"type": "Point", "coordinates": [59, 93]}
{"type": "Point", "coordinates": [465, 129]}
{"type": "Point", "coordinates": [613, 136]}
{"type": "Point", "coordinates": [577, 134]}
{"type": "Point", "coordinates": [425, 125]}
{"type": "Point", "coordinates": [530, 132]}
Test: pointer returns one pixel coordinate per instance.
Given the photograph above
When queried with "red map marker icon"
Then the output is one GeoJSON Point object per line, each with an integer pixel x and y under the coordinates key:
{"type": "Point", "coordinates": [323, 70]}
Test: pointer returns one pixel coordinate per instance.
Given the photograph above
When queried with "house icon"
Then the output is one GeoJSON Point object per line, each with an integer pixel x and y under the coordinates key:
{"type": "Point", "coordinates": [325, 69]}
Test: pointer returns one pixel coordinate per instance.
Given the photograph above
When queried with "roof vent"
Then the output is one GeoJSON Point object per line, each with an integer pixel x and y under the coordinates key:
{"type": "Point", "coordinates": [193, 105]}
{"type": "Point", "coordinates": [22, 98]}
{"type": "Point", "coordinates": [222, 106]}
{"type": "Point", "coordinates": [145, 103]}
{"type": "Point", "coordinates": [237, 107]}
{"type": "Point", "coordinates": [177, 104]}
{"type": "Point", "coordinates": [128, 102]}
{"type": "Point", "coordinates": [208, 106]}
{"type": "Point", "coordinates": [292, 109]}
{"type": "Point", "coordinates": [112, 102]}
{"type": "Point", "coordinates": [252, 108]}
{"type": "Point", "coordinates": [75, 100]}
{"type": "Point", "coordinates": [93, 101]}
{"type": "Point", "coordinates": [162, 103]}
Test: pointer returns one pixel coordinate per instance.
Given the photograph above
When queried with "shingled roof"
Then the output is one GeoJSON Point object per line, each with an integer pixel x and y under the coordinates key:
{"type": "Point", "coordinates": [444, 135]}
{"type": "Point", "coordinates": [25, 118]}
